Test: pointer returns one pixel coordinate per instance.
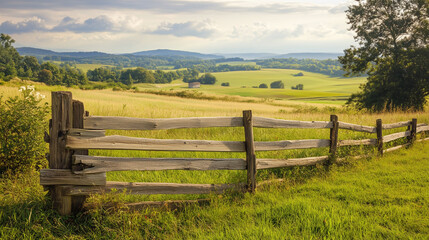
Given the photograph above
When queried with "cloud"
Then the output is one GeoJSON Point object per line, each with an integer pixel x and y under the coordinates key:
{"type": "Point", "coordinates": [97, 24]}
{"type": "Point", "coordinates": [196, 29]}
{"type": "Point", "coordinates": [28, 25]}
{"type": "Point", "coordinates": [164, 6]}
{"type": "Point", "coordinates": [339, 9]}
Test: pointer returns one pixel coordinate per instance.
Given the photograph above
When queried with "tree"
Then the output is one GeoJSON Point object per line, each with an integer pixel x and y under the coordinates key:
{"type": "Point", "coordinates": [207, 78]}
{"type": "Point", "coordinates": [263, 85]}
{"type": "Point", "coordinates": [393, 39]}
{"type": "Point", "coordinates": [277, 84]}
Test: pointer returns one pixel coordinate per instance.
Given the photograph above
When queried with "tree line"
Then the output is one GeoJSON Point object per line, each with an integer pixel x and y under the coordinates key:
{"type": "Point", "coordinates": [328, 67]}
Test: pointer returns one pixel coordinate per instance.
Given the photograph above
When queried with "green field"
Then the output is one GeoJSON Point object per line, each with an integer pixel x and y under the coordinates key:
{"type": "Point", "coordinates": [318, 88]}
{"type": "Point", "coordinates": [375, 198]}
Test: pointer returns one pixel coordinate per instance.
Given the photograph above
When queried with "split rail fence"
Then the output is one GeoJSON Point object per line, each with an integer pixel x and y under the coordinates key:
{"type": "Point", "coordinates": [73, 175]}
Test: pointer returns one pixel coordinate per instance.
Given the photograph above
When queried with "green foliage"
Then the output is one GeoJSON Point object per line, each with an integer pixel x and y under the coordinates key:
{"type": "Point", "coordinates": [225, 84]}
{"type": "Point", "coordinates": [300, 74]}
{"type": "Point", "coordinates": [393, 38]}
{"type": "Point", "coordinates": [263, 85]}
{"type": "Point", "coordinates": [298, 87]}
{"type": "Point", "coordinates": [277, 84]}
{"type": "Point", "coordinates": [329, 67]}
{"type": "Point", "coordinates": [22, 124]}
{"type": "Point", "coordinates": [207, 78]}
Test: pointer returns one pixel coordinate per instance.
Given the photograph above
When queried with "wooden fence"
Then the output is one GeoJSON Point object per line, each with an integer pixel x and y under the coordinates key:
{"type": "Point", "coordinates": [73, 175]}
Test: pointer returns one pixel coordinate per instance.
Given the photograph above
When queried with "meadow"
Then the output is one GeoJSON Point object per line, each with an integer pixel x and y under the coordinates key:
{"type": "Point", "coordinates": [318, 88]}
{"type": "Point", "coordinates": [361, 199]}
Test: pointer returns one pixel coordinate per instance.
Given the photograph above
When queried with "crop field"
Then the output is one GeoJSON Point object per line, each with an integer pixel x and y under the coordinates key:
{"type": "Point", "coordinates": [368, 198]}
{"type": "Point", "coordinates": [318, 88]}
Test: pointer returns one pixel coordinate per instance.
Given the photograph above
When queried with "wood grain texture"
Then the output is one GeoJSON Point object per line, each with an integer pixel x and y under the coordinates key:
{"type": "Point", "coordinates": [278, 163]}
{"type": "Point", "coordinates": [85, 133]}
{"type": "Point", "coordinates": [116, 142]}
{"type": "Point", "coordinates": [395, 148]}
{"type": "Point", "coordinates": [422, 129]}
{"type": "Point", "coordinates": [280, 123]}
{"type": "Point", "coordinates": [250, 150]}
{"type": "Point", "coordinates": [98, 164]}
{"type": "Point", "coordinates": [291, 144]}
{"type": "Point", "coordinates": [355, 127]}
{"type": "Point", "coordinates": [380, 140]}
{"type": "Point", "coordinates": [396, 125]}
{"type": "Point", "coordinates": [129, 123]}
{"type": "Point", "coordinates": [370, 141]}
{"type": "Point", "coordinates": [66, 177]}
{"type": "Point", "coordinates": [153, 188]}
{"type": "Point", "coordinates": [394, 136]}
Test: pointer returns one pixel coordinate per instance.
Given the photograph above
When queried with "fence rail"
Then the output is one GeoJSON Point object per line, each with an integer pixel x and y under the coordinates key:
{"type": "Point", "coordinates": [73, 174]}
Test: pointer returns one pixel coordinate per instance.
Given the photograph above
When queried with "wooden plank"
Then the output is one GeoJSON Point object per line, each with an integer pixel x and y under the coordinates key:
{"type": "Point", "coordinates": [394, 136]}
{"type": "Point", "coordinates": [66, 177]}
{"type": "Point", "coordinates": [396, 125]}
{"type": "Point", "coordinates": [85, 133]}
{"type": "Point", "coordinates": [371, 141]}
{"type": "Point", "coordinates": [422, 129]}
{"type": "Point", "coordinates": [129, 123]}
{"type": "Point", "coordinates": [278, 163]}
{"type": "Point", "coordinates": [380, 139]}
{"type": "Point", "coordinates": [250, 150]}
{"type": "Point", "coordinates": [333, 139]}
{"type": "Point", "coordinates": [280, 123]}
{"type": "Point", "coordinates": [355, 127]}
{"type": "Point", "coordinates": [396, 148]}
{"type": "Point", "coordinates": [96, 164]}
{"type": "Point", "coordinates": [291, 144]}
{"type": "Point", "coordinates": [153, 188]}
{"type": "Point", "coordinates": [116, 142]}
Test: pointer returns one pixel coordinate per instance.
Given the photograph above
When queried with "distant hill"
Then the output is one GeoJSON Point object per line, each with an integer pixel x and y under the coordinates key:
{"type": "Point", "coordinates": [318, 56]}
{"type": "Point", "coordinates": [176, 53]}
{"type": "Point", "coordinates": [37, 52]}
{"type": "Point", "coordinates": [250, 56]}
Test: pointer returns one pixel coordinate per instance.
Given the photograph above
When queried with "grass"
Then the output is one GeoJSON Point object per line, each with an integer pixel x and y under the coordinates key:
{"type": "Point", "coordinates": [377, 198]}
{"type": "Point", "coordinates": [318, 88]}
{"type": "Point", "coordinates": [365, 199]}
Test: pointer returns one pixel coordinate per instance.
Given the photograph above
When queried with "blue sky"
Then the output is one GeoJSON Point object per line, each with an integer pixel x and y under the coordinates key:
{"type": "Point", "coordinates": [207, 26]}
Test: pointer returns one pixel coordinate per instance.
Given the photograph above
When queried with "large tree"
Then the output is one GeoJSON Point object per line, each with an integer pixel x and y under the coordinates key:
{"type": "Point", "coordinates": [393, 50]}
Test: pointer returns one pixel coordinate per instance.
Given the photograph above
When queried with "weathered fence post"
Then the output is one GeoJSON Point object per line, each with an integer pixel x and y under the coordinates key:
{"type": "Point", "coordinates": [59, 155]}
{"type": "Point", "coordinates": [413, 134]}
{"type": "Point", "coordinates": [250, 150]}
{"type": "Point", "coordinates": [333, 136]}
{"type": "Point", "coordinates": [78, 114]}
{"type": "Point", "coordinates": [379, 131]}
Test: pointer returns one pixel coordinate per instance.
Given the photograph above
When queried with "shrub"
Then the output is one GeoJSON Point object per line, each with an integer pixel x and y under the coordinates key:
{"type": "Point", "coordinates": [225, 84]}
{"type": "Point", "coordinates": [300, 74]}
{"type": "Point", "coordinates": [263, 85]}
{"type": "Point", "coordinates": [277, 84]}
{"type": "Point", "coordinates": [22, 126]}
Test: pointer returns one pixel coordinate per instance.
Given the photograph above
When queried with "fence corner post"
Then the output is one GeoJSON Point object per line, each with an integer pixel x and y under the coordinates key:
{"type": "Point", "coordinates": [250, 150]}
{"type": "Point", "coordinates": [333, 137]}
{"type": "Point", "coordinates": [59, 155]}
{"type": "Point", "coordinates": [379, 131]}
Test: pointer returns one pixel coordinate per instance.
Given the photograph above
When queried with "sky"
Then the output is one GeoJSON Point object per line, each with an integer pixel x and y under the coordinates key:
{"type": "Point", "coordinates": [206, 26]}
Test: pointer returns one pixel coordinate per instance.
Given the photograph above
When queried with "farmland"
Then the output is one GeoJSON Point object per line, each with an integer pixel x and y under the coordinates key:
{"type": "Point", "coordinates": [318, 88]}
{"type": "Point", "coordinates": [377, 197]}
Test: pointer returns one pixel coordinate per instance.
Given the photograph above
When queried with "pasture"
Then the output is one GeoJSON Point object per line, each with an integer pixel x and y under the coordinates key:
{"type": "Point", "coordinates": [368, 198]}
{"type": "Point", "coordinates": [318, 88]}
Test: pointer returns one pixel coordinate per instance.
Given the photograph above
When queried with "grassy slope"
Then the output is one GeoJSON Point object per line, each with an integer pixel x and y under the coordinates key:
{"type": "Point", "coordinates": [317, 87]}
{"type": "Point", "coordinates": [383, 198]}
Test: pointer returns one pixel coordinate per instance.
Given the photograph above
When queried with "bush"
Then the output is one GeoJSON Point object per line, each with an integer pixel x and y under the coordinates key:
{"type": "Point", "coordinates": [263, 85]}
{"type": "Point", "coordinates": [22, 126]}
{"type": "Point", "coordinates": [277, 84]}
{"type": "Point", "coordinates": [225, 84]}
{"type": "Point", "coordinates": [300, 74]}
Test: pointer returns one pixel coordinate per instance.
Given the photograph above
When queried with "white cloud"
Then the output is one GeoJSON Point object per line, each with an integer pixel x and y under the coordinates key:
{"type": "Point", "coordinates": [204, 29]}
